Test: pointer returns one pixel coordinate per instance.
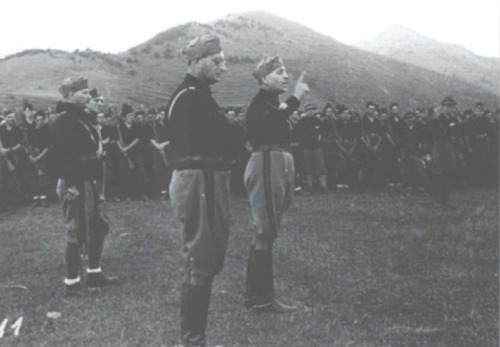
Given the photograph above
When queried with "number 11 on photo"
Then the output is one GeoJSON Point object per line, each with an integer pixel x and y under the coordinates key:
{"type": "Point", "coordinates": [16, 326]}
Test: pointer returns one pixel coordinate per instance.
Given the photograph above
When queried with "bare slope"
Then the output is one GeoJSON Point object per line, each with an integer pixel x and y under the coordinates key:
{"type": "Point", "coordinates": [410, 47]}
{"type": "Point", "coordinates": [148, 73]}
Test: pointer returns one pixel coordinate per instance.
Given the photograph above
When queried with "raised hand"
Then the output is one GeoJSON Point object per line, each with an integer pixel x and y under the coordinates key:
{"type": "Point", "coordinates": [301, 88]}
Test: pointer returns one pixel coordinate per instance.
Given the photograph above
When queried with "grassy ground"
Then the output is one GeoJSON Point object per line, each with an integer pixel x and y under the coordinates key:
{"type": "Point", "coordinates": [382, 269]}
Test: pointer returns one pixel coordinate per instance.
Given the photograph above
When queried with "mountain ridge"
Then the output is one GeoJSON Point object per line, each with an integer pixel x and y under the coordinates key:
{"type": "Point", "coordinates": [408, 46]}
{"type": "Point", "coordinates": [147, 74]}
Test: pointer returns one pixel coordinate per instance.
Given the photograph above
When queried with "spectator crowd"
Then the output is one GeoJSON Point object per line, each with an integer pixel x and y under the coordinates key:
{"type": "Point", "coordinates": [335, 147]}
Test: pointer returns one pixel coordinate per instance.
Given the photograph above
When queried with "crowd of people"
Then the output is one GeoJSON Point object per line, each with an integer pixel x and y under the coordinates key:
{"type": "Point", "coordinates": [334, 148]}
{"type": "Point", "coordinates": [196, 153]}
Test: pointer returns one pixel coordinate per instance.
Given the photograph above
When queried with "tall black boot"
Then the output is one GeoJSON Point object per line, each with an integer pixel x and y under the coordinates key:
{"type": "Point", "coordinates": [95, 277]}
{"type": "Point", "coordinates": [195, 301]}
{"type": "Point", "coordinates": [72, 283]}
{"type": "Point", "coordinates": [72, 260]}
{"type": "Point", "coordinates": [264, 280]}
{"type": "Point", "coordinates": [96, 245]}
{"type": "Point", "coordinates": [251, 281]}
{"type": "Point", "coordinates": [266, 302]}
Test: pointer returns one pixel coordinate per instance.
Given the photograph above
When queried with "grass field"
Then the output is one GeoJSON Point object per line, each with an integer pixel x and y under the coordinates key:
{"type": "Point", "coordinates": [383, 269]}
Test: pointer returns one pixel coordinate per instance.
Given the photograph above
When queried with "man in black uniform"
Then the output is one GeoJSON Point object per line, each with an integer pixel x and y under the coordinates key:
{"type": "Point", "coordinates": [38, 138]}
{"type": "Point", "coordinates": [269, 177]}
{"type": "Point", "coordinates": [371, 137]}
{"type": "Point", "coordinates": [16, 178]}
{"type": "Point", "coordinates": [201, 138]}
{"type": "Point", "coordinates": [161, 156]}
{"type": "Point", "coordinates": [76, 149]}
{"type": "Point", "coordinates": [443, 159]}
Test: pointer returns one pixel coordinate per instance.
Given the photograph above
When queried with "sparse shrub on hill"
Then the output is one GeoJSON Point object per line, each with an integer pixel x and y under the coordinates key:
{"type": "Point", "coordinates": [132, 72]}
{"type": "Point", "coordinates": [132, 60]}
{"type": "Point", "coordinates": [168, 53]}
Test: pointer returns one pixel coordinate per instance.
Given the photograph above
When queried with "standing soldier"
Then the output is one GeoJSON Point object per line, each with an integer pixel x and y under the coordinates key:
{"type": "Point", "coordinates": [311, 131]}
{"type": "Point", "coordinates": [371, 137]}
{"type": "Point", "coordinates": [161, 158]}
{"type": "Point", "coordinates": [128, 143]}
{"type": "Point", "coordinates": [269, 177]}
{"type": "Point", "coordinates": [13, 141]}
{"type": "Point", "coordinates": [76, 150]}
{"type": "Point", "coordinates": [38, 145]}
{"type": "Point", "coordinates": [201, 138]}
{"type": "Point", "coordinates": [393, 138]}
{"type": "Point", "coordinates": [442, 153]}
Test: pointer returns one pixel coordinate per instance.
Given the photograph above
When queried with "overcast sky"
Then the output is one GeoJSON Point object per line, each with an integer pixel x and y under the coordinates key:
{"type": "Point", "coordinates": [113, 26]}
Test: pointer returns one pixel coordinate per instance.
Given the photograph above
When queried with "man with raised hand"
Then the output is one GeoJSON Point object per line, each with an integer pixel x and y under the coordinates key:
{"type": "Point", "coordinates": [76, 150]}
{"type": "Point", "coordinates": [269, 176]}
{"type": "Point", "coordinates": [201, 139]}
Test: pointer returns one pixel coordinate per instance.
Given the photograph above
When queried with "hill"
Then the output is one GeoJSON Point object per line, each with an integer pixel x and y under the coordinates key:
{"type": "Point", "coordinates": [148, 73]}
{"type": "Point", "coordinates": [408, 46]}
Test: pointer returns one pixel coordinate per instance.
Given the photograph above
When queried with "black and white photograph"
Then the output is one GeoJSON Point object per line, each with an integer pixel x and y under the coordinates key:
{"type": "Point", "coordinates": [301, 173]}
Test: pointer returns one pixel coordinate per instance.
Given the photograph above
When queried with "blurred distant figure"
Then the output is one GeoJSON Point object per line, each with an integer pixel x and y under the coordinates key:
{"type": "Point", "coordinates": [442, 154]}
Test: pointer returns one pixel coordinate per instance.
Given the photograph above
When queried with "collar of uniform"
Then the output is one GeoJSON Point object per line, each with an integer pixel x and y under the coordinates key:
{"type": "Point", "coordinates": [269, 96]}
{"type": "Point", "coordinates": [191, 80]}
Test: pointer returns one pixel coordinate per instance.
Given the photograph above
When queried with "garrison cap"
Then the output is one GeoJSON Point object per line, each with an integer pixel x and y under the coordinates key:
{"type": "Point", "coordinates": [72, 84]}
{"type": "Point", "coordinates": [448, 101]}
{"type": "Point", "coordinates": [202, 46]}
{"type": "Point", "coordinates": [266, 66]}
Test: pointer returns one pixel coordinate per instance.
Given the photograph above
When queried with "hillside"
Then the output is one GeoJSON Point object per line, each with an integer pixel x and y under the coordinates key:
{"type": "Point", "coordinates": [408, 46]}
{"type": "Point", "coordinates": [148, 73]}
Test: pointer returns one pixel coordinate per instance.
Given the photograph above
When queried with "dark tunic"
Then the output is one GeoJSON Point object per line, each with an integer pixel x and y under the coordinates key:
{"type": "Point", "coordinates": [197, 129]}
{"type": "Point", "coordinates": [74, 144]}
{"type": "Point", "coordinates": [268, 124]}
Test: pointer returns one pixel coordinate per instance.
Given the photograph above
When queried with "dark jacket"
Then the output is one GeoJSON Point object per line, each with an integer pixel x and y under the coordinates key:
{"type": "Point", "coordinates": [267, 124]}
{"type": "Point", "coordinates": [197, 129]}
{"type": "Point", "coordinates": [75, 142]}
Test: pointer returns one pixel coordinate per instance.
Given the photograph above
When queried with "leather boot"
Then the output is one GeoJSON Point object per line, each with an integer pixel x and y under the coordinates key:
{"type": "Point", "coordinates": [264, 276]}
{"type": "Point", "coordinates": [195, 301]}
{"type": "Point", "coordinates": [251, 281]}
{"type": "Point", "coordinates": [72, 260]}
{"type": "Point", "coordinates": [73, 283]}
{"type": "Point", "coordinates": [266, 302]}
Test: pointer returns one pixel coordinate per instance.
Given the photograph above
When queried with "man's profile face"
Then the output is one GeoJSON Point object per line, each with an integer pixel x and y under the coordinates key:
{"type": "Point", "coordinates": [210, 69]}
{"type": "Point", "coordinates": [276, 81]}
{"type": "Point", "coordinates": [81, 97]}
{"type": "Point", "coordinates": [95, 104]}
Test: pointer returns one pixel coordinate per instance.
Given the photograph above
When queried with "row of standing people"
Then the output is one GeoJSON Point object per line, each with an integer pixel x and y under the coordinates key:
{"type": "Point", "coordinates": [333, 148]}
{"type": "Point", "coordinates": [381, 148]}
{"type": "Point", "coordinates": [203, 143]}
